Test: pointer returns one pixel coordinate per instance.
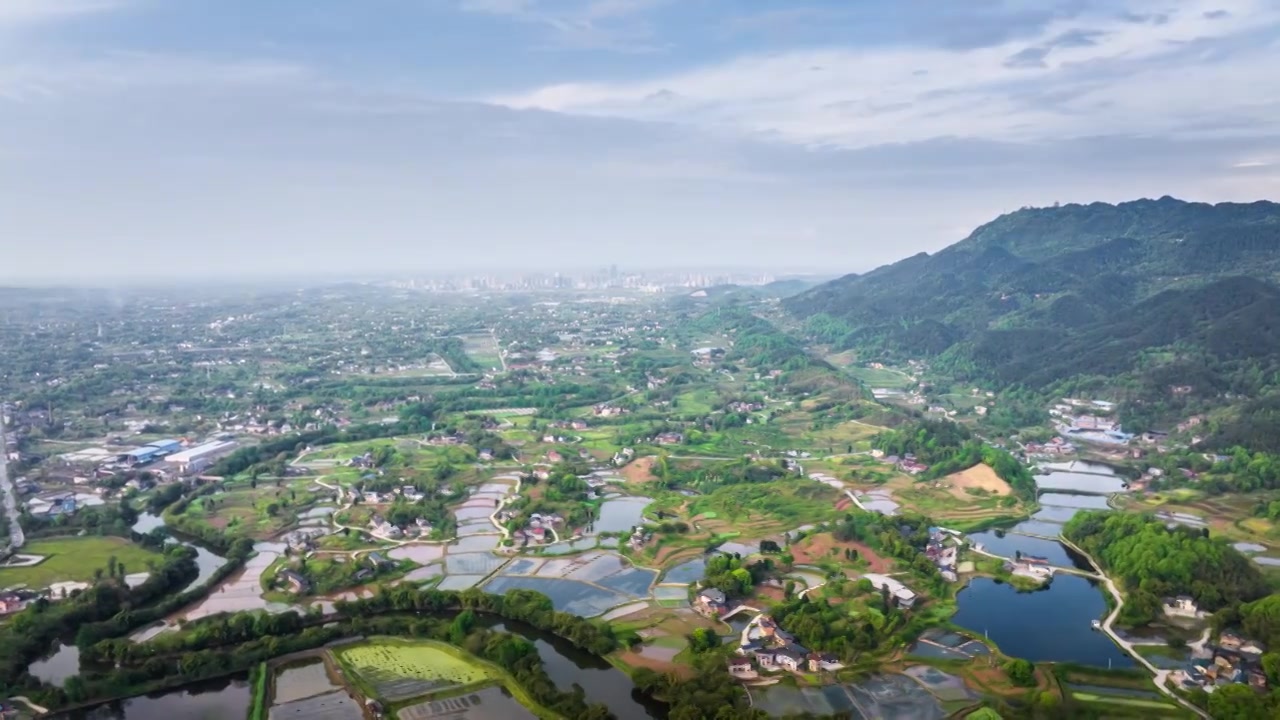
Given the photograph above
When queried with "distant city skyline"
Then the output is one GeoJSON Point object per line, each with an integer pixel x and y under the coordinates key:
{"type": "Point", "coordinates": [148, 139]}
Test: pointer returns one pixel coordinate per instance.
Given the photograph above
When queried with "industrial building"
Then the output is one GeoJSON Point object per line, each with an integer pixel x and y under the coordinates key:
{"type": "Point", "coordinates": [196, 459]}
{"type": "Point", "coordinates": [150, 452]}
{"type": "Point", "coordinates": [168, 447]}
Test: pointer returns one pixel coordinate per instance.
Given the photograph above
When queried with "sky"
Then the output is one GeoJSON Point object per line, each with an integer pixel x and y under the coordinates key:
{"type": "Point", "coordinates": [206, 139]}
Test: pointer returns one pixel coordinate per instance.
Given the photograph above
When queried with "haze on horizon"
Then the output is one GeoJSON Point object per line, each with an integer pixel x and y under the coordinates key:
{"type": "Point", "coordinates": [193, 139]}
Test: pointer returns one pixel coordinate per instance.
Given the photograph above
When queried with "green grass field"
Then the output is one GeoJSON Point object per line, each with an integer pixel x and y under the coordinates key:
{"type": "Point", "coordinates": [881, 378]}
{"type": "Point", "coordinates": [76, 559]}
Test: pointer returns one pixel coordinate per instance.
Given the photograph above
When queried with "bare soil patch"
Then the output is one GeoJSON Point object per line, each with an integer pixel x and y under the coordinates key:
{"type": "Point", "coordinates": [635, 659]}
{"type": "Point", "coordinates": [819, 547]}
{"type": "Point", "coordinates": [639, 470]}
{"type": "Point", "coordinates": [980, 477]}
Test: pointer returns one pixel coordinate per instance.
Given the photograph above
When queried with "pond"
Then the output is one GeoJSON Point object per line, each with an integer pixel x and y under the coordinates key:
{"type": "Point", "coordinates": [1011, 543]}
{"type": "Point", "coordinates": [1037, 527]}
{"type": "Point", "coordinates": [1081, 482]}
{"type": "Point", "coordinates": [59, 665]}
{"type": "Point", "coordinates": [1080, 466]}
{"type": "Point", "coordinates": [1073, 500]}
{"type": "Point", "coordinates": [620, 514]}
{"type": "Point", "coordinates": [225, 699]}
{"type": "Point", "coordinates": [1048, 625]}
{"type": "Point", "coordinates": [880, 501]}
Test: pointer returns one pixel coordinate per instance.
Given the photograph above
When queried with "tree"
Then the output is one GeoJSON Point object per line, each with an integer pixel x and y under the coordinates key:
{"type": "Point", "coordinates": [703, 640]}
{"type": "Point", "coordinates": [1021, 672]}
{"type": "Point", "coordinates": [1271, 666]}
{"type": "Point", "coordinates": [1237, 702]}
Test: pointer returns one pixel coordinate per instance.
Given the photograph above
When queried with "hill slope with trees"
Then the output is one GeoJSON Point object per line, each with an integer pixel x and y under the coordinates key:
{"type": "Point", "coordinates": [1142, 296]}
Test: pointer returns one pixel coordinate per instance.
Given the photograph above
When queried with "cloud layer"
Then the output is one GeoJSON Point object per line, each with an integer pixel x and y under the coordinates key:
{"type": "Point", "coordinates": [157, 141]}
{"type": "Point", "coordinates": [1100, 73]}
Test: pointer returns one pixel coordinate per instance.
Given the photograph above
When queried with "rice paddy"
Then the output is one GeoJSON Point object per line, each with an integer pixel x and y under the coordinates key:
{"type": "Point", "coordinates": [586, 585]}
{"type": "Point", "coordinates": [398, 670]}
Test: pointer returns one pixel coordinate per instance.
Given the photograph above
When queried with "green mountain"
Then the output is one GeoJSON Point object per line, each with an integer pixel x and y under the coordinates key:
{"type": "Point", "coordinates": [1155, 292]}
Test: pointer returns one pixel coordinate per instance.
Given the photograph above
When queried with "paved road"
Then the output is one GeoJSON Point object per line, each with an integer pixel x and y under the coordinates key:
{"type": "Point", "coordinates": [16, 538]}
{"type": "Point", "coordinates": [1055, 568]}
{"type": "Point", "coordinates": [1161, 676]}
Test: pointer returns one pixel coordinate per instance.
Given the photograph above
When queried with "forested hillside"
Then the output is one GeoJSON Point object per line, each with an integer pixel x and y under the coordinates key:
{"type": "Point", "coordinates": [1151, 294]}
{"type": "Point", "coordinates": [1153, 561]}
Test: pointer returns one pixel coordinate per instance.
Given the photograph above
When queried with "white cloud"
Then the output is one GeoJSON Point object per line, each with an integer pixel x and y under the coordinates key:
{"type": "Point", "coordinates": [1093, 74]}
{"type": "Point", "coordinates": [115, 72]}
{"type": "Point", "coordinates": [580, 24]}
{"type": "Point", "coordinates": [19, 12]}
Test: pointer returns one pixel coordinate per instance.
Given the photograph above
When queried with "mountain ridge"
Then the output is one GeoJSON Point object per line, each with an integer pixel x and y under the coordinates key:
{"type": "Point", "coordinates": [1044, 295]}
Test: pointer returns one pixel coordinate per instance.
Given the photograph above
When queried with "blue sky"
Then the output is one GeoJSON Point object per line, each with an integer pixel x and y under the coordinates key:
{"type": "Point", "coordinates": [219, 137]}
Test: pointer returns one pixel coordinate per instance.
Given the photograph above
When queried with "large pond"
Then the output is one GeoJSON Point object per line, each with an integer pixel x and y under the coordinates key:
{"type": "Point", "coordinates": [620, 514]}
{"type": "Point", "coordinates": [1049, 625]}
{"type": "Point", "coordinates": [226, 699]}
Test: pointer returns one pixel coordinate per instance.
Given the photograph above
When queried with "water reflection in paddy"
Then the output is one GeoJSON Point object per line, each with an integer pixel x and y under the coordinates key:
{"type": "Point", "coordinates": [302, 681]}
{"type": "Point", "coordinates": [421, 554]}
